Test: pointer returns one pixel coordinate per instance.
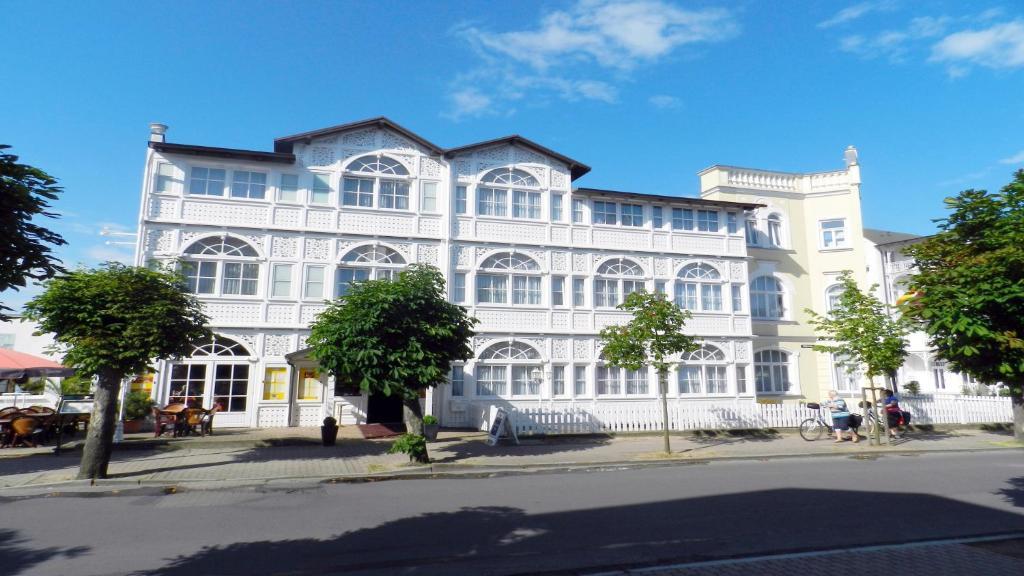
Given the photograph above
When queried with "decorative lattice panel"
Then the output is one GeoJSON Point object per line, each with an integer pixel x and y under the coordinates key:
{"type": "Point", "coordinates": [403, 225]}
{"type": "Point", "coordinates": [278, 344]}
{"type": "Point", "coordinates": [272, 416]}
{"type": "Point", "coordinates": [320, 219]}
{"type": "Point", "coordinates": [290, 217]}
{"type": "Point", "coordinates": [309, 313]}
{"type": "Point", "coordinates": [281, 314]}
{"type": "Point", "coordinates": [220, 214]}
{"type": "Point", "coordinates": [317, 249]}
{"type": "Point", "coordinates": [163, 208]}
{"type": "Point", "coordinates": [284, 247]}
{"type": "Point", "coordinates": [503, 232]}
{"type": "Point", "coordinates": [228, 314]}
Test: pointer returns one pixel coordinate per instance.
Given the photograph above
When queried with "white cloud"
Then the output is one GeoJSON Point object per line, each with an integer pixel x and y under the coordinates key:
{"type": "Point", "coordinates": [579, 53]}
{"type": "Point", "coordinates": [998, 46]}
{"type": "Point", "coordinates": [664, 101]}
{"type": "Point", "coordinates": [619, 34]}
{"type": "Point", "coordinates": [895, 44]}
{"type": "Point", "coordinates": [468, 102]}
{"type": "Point", "coordinates": [1017, 158]}
{"type": "Point", "coordinates": [855, 12]}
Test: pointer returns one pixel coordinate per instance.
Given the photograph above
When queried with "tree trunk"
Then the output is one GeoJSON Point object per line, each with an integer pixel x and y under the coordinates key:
{"type": "Point", "coordinates": [412, 414]}
{"type": "Point", "coordinates": [1017, 402]}
{"type": "Point", "coordinates": [99, 439]}
{"type": "Point", "coordinates": [663, 386]}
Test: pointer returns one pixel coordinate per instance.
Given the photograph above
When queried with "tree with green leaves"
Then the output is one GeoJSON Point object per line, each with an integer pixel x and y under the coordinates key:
{"type": "Point", "coordinates": [25, 253]}
{"type": "Point", "coordinates": [968, 292]}
{"type": "Point", "coordinates": [111, 322]}
{"type": "Point", "coordinates": [650, 338]}
{"type": "Point", "coordinates": [861, 331]}
{"type": "Point", "coordinates": [394, 337]}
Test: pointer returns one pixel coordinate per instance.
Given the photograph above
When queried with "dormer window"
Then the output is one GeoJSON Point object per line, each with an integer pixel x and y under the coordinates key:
{"type": "Point", "coordinates": [498, 186]}
{"type": "Point", "coordinates": [379, 178]}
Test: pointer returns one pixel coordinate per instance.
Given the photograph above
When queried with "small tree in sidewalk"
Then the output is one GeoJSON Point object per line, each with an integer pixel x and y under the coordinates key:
{"type": "Point", "coordinates": [112, 322]}
{"type": "Point", "coordinates": [861, 331]}
{"type": "Point", "coordinates": [650, 338]}
{"type": "Point", "coordinates": [394, 337]}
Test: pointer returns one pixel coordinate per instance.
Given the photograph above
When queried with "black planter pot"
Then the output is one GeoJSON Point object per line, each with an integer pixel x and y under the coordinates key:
{"type": "Point", "coordinates": [329, 434]}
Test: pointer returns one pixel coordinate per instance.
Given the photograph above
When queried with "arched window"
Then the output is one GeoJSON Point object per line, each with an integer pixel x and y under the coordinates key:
{"type": "Point", "coordinates": [703, 371]}
{"type": "Point", "coordinates": [365, 263]}
{"type": "Point", "coordinates": [615, 279]}
{"type": "Point", "coordinates": [222, 258]}
{"type": "Point", "coordinates": [215, 375]}
{"type": "Point", "coordinates": [505, 269]}
{"type": "Point", "coordinates": [774, 230]}
{"type": "Point", "coordinates": [832, 296]}
{"type": "Point", "coordinates": [610, 380]}
{"type": "Point", "coordinates": [751, 230]}
{"type": "Point", "coordinates": [376, 177]}
{"type": "Point", "coordinates": [221, 246]}
{"type": "Point", "coordinates": [771, 371]}
{"type": "Point", "coordinates": [498, 185]}
{"type": "Point", "coordinates": [220, 346]}
{"type": "Point", "coordinates": [699, 279]}
{"type": "Point", "coordinates": [508, 365]}
{"type": "Point", "coordinates": [767, 298]}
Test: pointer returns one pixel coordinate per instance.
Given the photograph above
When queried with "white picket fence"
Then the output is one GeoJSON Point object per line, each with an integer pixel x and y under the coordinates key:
{"type": "Point", "coordinates": [557, 417]}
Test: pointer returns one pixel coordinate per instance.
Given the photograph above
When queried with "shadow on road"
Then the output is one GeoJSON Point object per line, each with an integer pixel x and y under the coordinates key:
{"type": "Point", "coordinates": [506, 540]}
{"type": "Point", "coordinates": [1015, 493]}
{"type": "Point", "coordinates": [16, 556]}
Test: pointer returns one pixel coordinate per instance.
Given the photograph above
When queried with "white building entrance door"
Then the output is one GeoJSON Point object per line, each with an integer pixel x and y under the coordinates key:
{"type": "Point", "coordinates": [218, 373]}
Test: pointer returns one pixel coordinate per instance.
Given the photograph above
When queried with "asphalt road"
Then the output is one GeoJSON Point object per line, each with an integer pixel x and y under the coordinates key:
{"type": "Point", "coordinates": [528, 524]}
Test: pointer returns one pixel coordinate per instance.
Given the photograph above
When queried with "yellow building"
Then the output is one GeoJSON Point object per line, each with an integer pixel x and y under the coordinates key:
{"type": "Point", "coordinates": [808, 233]}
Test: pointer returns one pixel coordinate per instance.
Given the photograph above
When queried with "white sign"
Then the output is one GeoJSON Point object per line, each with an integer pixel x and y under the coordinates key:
{"type": "Point", "coordinates": [501, 426]}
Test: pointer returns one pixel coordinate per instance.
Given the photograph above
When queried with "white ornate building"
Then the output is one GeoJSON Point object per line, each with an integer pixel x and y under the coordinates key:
{"type": "Point", "coordinates": [265, 238]}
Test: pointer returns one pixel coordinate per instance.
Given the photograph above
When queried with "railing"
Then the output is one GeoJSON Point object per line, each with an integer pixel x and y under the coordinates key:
{"type": "Point", "coordinates": [19, 400]}
{"type": "Point", "coordinates": [589, 416]}
{"type": "Point", "coordinates": [899, 266]}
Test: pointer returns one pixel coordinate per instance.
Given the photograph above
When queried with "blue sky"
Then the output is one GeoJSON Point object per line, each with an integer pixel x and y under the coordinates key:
{"type": "Point", "coordinates": [647, 92]}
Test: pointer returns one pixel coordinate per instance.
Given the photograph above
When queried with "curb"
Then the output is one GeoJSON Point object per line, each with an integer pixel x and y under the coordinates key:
{"type": "Point", "coordinates": [468, 471]}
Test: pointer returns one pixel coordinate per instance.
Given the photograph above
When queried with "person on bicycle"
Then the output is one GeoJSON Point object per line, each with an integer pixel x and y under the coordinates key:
{"type": "Point", "coordinates": [893, 413]}
{"type": "Point", "coordinates": [840, 417]}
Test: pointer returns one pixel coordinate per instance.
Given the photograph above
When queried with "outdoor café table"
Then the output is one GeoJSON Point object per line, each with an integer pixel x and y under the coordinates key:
{"type": "Point", "coordinates": [177, 411]}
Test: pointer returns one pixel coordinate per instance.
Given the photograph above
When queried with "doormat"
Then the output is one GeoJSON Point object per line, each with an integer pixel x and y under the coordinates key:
{"type": "Point", "coordinates": [372, 431]}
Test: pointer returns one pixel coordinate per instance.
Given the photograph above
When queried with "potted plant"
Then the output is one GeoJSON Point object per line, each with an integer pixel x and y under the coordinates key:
{"type": "Point", "coordinates": [137, 405]}
{"type": "Point", "coordinates": [430, 428]}
{"type": "Point", "coordinates": [329, 431]}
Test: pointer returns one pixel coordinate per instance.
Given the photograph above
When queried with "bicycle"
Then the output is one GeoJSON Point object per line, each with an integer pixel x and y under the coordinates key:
{"type": "Point", "coordinates": [812, 428]}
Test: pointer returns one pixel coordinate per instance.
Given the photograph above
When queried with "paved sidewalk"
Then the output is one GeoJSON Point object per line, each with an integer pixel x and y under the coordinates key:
{"type": "Point", "coordinates": [268, 455]}
{"type": "Point", "coordinates": [1003, 557]}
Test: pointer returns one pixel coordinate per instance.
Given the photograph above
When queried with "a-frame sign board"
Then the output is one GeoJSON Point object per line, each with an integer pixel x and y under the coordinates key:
{"type": "Point", "coordinates": [501, 427]}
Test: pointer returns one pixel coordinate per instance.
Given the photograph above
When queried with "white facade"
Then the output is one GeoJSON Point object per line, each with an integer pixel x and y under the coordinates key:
{"type": "Point", "coordinates": [267, 238]}
{"type": "Point", "coordinates": [890, 268]}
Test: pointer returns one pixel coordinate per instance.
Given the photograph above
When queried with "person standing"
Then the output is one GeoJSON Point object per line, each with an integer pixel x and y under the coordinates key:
{"type": "Point", "coordinates": [893, 413]}
{"type": "Point", "coordinates": [840, 417]}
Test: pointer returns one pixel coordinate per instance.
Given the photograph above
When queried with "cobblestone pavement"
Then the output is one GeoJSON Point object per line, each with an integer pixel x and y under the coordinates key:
{"type": "Point", "coordinates": [256, 455]}
{"type": "Point", "coordinates": [989, 558]}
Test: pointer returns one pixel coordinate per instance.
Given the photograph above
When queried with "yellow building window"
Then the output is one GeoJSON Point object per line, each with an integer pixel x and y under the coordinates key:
{"type": "Point", "coordinates": [275, 384]}
{"type": "Point", "coordinates": [309, 384]}
{"type": "Point", "coordinates": [142, 383]}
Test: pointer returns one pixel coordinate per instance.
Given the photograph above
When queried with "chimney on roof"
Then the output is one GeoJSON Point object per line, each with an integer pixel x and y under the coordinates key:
{"type": "Point", "coordinates": [850, 155]}
{"type": "Point", "coordinates": [157, 132]}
